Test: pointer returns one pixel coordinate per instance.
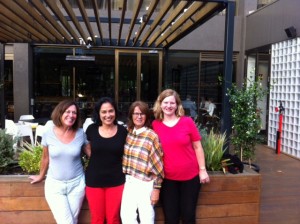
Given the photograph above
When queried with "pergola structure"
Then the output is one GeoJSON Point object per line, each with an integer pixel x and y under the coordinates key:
{"type": "Point", "coordinates": [99, 23]}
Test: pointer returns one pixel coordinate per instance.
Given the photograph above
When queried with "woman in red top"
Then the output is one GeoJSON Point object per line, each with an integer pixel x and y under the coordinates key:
{"type": "Point", "coordinates": [184, 161]}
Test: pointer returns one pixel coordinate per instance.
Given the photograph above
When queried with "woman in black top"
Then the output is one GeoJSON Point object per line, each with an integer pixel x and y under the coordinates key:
{"type": "Point", "coordinates": [104, 176]}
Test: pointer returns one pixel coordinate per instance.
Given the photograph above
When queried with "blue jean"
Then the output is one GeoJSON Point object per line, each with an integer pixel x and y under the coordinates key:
{"type": "Point", "coordinates": [179, 200]}
{"type": "Point", "coordinates": [65, 198]}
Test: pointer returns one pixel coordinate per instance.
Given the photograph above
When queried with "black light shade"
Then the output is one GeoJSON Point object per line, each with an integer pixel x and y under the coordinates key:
{"type": "Point", "coordinates": [291, 32]}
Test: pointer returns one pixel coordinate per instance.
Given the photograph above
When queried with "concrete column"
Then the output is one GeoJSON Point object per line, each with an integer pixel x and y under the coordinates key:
{"type": "Point", "coordinates": [22, 79]}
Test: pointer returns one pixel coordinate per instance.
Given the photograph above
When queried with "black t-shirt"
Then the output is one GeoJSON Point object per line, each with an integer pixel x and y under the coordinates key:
{"type": "Point", "coordinates": [105, 165]}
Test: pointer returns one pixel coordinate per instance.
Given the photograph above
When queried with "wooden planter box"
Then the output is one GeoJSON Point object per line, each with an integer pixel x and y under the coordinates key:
{"type": "Point", "coordinates": [227, 199]}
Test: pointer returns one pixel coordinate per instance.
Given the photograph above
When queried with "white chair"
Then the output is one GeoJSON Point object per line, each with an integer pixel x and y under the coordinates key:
{"type": "Point", "coordinates": [23, 118]}
{"type": "Point", "coordinates": [39, 131]}
{"type": "Point", "coordinates": [19, 131]}
{"type": "Point", "coordinates": [25, 130]}
{"type": "Point", "coordinates": [88, 121]}
{"type": "Point", "coordinates": [11, 127]}
{"type": "Point", "coordinates": [26, 117]}
{"type": "Point", "coordinates": [49, 124]}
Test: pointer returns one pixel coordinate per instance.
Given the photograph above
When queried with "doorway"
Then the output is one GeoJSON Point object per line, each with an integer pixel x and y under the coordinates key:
{"type": "Point", "coordinates": [138, 77]}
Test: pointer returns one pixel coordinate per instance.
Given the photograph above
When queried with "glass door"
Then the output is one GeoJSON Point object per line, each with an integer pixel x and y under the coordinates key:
{"type": "Point", "coordinates": [138, 78]}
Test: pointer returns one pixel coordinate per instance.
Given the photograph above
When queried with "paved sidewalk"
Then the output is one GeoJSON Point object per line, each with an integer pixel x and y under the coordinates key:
{"type": "Point", "coordinates": [280, 192]}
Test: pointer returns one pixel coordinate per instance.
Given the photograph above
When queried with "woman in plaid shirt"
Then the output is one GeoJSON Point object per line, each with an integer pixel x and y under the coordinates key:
{"type": "Point", "coordinates": [143, 166]}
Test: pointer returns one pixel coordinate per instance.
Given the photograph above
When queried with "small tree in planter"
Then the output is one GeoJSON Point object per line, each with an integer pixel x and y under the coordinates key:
{"type": "Point", "coordinates": [7, 151]}
{"type": "Point", "coordinates": [246, 117]}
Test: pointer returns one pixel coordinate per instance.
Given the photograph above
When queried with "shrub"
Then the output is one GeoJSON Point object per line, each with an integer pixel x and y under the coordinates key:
{"type": "Point", "coordinates": [6, 150]}
{"type": "Point", "coordinates": [213, 147]}
{"type": "Point", "coordinates": [246, 117]}
{"type": "Point", "coordinates": [30, 158]}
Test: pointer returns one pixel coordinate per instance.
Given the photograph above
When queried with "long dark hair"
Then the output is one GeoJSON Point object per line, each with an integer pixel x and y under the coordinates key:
{"type": "Point", "coordinates": [102, 100]}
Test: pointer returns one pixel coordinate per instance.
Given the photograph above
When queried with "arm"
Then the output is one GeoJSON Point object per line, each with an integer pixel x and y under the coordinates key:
{"type": "Point", "coordinates": [87, 150]}
{"type": "Point", "coordinates": [44, 167]}
{"type": "Point", "coordinates": [156, 160]}
{"type": "Point", "coordinates": [204, 178]}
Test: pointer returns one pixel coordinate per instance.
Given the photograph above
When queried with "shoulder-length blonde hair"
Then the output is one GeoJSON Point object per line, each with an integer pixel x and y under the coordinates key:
{"type": "Point", "coordinates": [158, 113]}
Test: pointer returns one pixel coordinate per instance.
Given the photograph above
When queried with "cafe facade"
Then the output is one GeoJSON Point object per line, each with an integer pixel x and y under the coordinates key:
{"type": "Point", "coordinates": [133, 50]}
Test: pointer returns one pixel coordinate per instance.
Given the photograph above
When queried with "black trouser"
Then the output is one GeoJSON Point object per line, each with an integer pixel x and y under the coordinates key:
{"type": "Point", "coordinates": [179, 200]}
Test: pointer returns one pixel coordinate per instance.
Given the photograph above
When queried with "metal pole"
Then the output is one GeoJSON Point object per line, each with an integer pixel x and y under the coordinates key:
{"type": "Point", "coordinates": [2, 85]}
{"type": "Point", "coordinates": [227, 70]}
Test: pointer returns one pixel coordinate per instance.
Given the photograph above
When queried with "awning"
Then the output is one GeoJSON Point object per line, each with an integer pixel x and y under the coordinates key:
{"type": "Point", "coordinates": [123, 23]}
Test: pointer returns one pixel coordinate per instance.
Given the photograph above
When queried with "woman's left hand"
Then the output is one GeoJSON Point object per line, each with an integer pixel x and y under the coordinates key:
{"type": "Point", "coordinates": [204, 178]}
{"type": "Point", "coordinates": [154, 196]}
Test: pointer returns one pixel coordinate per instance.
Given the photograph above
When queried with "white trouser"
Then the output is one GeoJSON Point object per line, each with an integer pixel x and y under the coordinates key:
{"type": "Point", "coordinates": [137, 195]}
{"type": "Point", "coordinates": [65, 198]}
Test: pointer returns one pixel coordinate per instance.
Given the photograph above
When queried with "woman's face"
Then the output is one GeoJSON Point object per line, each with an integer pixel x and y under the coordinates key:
{"type": "Point", "coordinates": [69, 117]}
{"type": "Point", "coordinates": [107, 114]}
{"type": "Point", "coordinates": [169, 105]}
{"type": "Point", "coordinates": [138, 118]}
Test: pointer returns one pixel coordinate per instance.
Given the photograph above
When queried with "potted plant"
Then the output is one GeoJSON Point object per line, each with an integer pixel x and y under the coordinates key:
{"type": "Point", "coordinates": [213, 147]}
{"type": "Point", "coordinates": [245, 116]}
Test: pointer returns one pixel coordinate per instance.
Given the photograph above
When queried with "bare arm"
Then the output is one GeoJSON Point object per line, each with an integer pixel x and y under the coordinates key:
{"type": "Point", "coordinates": [87, 150]}
{"type": "Point", "coordinates": [43, 169]}
{"type": "Point", "coordinates": [204, 178]}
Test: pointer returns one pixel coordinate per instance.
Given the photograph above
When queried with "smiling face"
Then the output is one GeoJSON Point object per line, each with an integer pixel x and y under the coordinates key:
{"type": "Point", "coordinates": [169, 106]}
{"type": "Point", "coordinates": [138, 118]}
{"type": "Point", "coordinates": [69, 117]}
{"type": "Point", "coordinates": [107, 114]}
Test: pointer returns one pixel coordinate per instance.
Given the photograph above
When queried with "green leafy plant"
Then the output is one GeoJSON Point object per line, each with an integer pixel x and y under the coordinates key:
{"type": "Point", "coordinates": [245, 116]}
{"type": "Point", "coordinates": [30, 158]}
{"type": "Point", "coordinates": [6, 150]}
{"type": "Point", "coordinates": [213, 146]}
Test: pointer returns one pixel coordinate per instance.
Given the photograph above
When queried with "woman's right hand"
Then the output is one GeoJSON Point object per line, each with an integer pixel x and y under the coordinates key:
{"type": "Point", "coordinates": [35, 179]}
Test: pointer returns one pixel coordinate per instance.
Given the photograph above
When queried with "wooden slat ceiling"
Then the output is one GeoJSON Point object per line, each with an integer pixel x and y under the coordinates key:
{"type": "Point", "coordinates": [74, 22]}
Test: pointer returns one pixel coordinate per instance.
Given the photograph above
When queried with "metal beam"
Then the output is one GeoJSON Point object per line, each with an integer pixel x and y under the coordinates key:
{"type": "Point", "coordinates": [227, 70]}
{"type": "Point", "coordinates": [2, 96]}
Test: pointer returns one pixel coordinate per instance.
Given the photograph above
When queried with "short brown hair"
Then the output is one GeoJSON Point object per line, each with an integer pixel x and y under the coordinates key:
{"type": "Point", "coordinates": [59, 111]}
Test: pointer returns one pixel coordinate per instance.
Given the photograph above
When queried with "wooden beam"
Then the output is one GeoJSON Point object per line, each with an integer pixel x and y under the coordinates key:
{"type": "Point", "coordinates": [17, 34]}
{"type": "Point", "coordinates": [52, 5]}
{"type": "Point", "coordinates": [3, 38]}
{"type": "Point", "coordinates": [9, 36]}
{"type": "Point", "coordinates": [97, 17]}
{"type": "Point", "coordinates": [162, 12]}
{"type": "Point", "coordinates": [17, 20]}
{"type": "Point", "coordinates": [152, 8]}
{"type": "Point", "coordinates": [18, 28]}
{"type": "Point", "coordinates": [42, 9]}
{"type": "Point", "coordinates": [109, 21]}
{"type": "Point", "coordinates": [172, 17]}
{"type": "Point", "coordinates": [72, 15]}
{"type": "Point", "coordinates": [122, 20]}
{"type": "Point", "coordinates": [28, 19]}
{"type": "Point", "coordinates": [180, 20]}
{"type": "Point", "coordinates": [86, 20]}
{"type": "Point", "coordinates": [29, 8]}
{"type": "Point", "coordinates": [208, 9]}
{"type": "Point", "coordinates": [138, 4]}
